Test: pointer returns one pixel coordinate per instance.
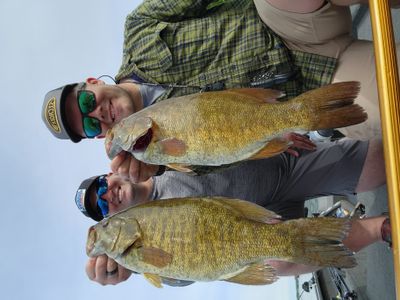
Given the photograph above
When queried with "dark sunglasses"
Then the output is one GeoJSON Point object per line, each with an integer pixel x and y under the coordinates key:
{"type": "Point", "coordinates": [87, 104]}
{"type": "Point", "coordinates": [101, 189]}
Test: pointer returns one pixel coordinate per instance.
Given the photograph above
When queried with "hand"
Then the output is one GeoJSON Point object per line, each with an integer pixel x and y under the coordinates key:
{"type": "Point", "coordinates": [299, 141]}
{"type": "Point", "coordinates": [127, 165]}
{"type": "Point", "coordinates": [105, 270]}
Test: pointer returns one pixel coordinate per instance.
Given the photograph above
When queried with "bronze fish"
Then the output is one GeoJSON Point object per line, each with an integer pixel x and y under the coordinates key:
{"type": "Point", "coordinates": [206, 239]}
{"type": "Point", "coordinates": [219, 128]}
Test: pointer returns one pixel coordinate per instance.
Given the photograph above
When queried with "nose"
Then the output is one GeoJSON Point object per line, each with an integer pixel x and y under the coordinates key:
{"type": "Point", "coordinates": [98, 113]}
{"type": "Point", "coordinates": [108, 196]}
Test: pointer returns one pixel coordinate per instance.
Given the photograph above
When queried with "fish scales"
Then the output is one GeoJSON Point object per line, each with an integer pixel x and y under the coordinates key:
{"type": "Point", "coordinates": [205, 239]}
{"type": "Point", "coordinates": [202, 125]}
{"type": "Point", "coordinates": [217, 128]}
{"type": "Point", "coordinates": [189, 224]}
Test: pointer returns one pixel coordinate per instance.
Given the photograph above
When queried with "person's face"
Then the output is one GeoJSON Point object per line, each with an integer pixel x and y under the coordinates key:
{"type": "Point", "coordinates": [112, 105]}
{"type": "Point", "coordinates": [120, 194]}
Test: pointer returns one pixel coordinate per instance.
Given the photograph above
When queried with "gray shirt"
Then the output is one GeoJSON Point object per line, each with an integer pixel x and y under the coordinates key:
{"type": "Point", "coordinates": [281, 183]}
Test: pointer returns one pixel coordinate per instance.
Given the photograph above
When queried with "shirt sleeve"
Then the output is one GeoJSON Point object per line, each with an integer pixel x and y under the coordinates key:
{"type": "Point", "coordinates": [175, 10]}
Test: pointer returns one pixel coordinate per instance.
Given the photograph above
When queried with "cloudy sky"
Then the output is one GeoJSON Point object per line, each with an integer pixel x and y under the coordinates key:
{"type": "Point", "coordinates": [45, 44]}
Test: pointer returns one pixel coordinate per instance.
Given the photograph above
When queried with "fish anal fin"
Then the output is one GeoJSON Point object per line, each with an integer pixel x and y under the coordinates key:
{"type": "Point", "coordinates": [154, 279]}
{"type": "Point", "coordinates": [251, 210]}
{"type": "Point", "coordinates": [172, 146]}
{"type": "Point", "coordinates": [262, 95]}
{"type": "Point", "coordinates": [255, 274]}
{"type": "Point", "coordinates": [156, 257]}
{"type": "Point", "coordinates": [272, 148]}
{"type": "Point", "coordinates": [181, 168]}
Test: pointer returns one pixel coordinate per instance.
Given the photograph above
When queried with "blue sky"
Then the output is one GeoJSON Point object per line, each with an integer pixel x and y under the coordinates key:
{"type": "Point", "coordinates": [45, 44]}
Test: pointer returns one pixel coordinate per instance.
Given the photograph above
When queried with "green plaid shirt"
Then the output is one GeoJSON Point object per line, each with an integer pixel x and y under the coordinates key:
{"type": "Point", "coordinates": [181, 42]}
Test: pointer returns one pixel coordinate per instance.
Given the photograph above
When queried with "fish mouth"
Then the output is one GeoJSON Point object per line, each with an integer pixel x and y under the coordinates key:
{"type": "Point", "coordinates": [142, 142]}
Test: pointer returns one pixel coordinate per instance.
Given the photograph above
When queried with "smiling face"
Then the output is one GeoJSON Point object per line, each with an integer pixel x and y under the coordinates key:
{"type": "Point", "coordinates": [113, 103]}
{"type": "Point", "coordinates": [121, 193]}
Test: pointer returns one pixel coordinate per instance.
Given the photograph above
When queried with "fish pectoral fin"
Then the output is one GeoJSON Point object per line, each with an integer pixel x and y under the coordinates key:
{"type": "Point", "coordinates": [182, 168]}
{"type": "Point", "coordinates": [272, 148]}
{"type": "Point", "coordinates": [172, 146]}
{"type": "Point", "coordinates": [156, 257]}
{"type": "Point", "coordinates": [262, 95]}
{"type": "Point", "coordinates": [251, 210]}
{"type": "Point", "coordinates": [255, 274]}
{"type": "Point", "coordinates": [154, 279]}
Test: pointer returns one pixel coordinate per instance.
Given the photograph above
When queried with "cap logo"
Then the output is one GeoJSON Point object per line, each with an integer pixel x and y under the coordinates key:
{"type": "Point", "coordinates": [51, 115]}
{"type": "Point", "coordinates": [80, 199]}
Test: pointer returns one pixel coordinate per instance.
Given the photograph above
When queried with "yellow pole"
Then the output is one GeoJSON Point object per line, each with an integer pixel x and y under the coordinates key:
{"type": "Point", "coordinates": [388, 89]}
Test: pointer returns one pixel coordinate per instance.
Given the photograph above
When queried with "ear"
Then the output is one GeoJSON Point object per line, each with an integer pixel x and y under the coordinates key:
{"type": "Point", "coordinates": [92, 80]}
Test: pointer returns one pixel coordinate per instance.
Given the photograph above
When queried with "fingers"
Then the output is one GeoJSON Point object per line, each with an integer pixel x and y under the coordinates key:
{"type": "Point", "coordinates": [118, 161]}
{"type": "Point", "coordinates": [127, 165]}
{"type": "Point", "coordinates": [300, 142]}
{"type": "Point", "coordinates": [303, 142]}
{"type": "Point", "coordinates": [104, 270]}
{"type": "Point", "coordinates": [292, 152]}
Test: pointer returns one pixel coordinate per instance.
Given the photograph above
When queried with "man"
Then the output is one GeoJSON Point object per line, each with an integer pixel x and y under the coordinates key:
{"type": "Point", "coordinates": [305, 44]}
{"type": "Point", "coordinates": [281, 184]}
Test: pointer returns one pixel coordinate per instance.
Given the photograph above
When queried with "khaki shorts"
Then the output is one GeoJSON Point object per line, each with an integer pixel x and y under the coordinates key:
{"type": "Point", "coordinates": [327, 32]}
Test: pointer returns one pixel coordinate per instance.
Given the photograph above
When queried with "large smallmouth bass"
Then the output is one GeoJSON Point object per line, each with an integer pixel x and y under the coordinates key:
{"type": "Point", "coordinates": [207, 239]}
{"type": "Point", "coordinates": [219, 128]}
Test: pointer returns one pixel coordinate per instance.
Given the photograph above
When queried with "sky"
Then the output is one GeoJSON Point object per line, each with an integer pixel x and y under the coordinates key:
{"type": "Point", "coordinates": [45, 44]}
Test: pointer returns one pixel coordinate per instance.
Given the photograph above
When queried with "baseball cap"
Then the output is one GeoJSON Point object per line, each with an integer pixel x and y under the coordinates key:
{"type": "Point", "coordinates": [53, 113]}
{"type": "Point", "coordinates": [82, 199]}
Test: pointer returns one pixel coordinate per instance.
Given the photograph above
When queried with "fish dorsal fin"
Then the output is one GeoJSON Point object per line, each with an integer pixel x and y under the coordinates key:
{"type": "Point", "coordinates": [154, 256]}
{"type": "Point", "coordinates": [251, 210]}
{"type": "Point", "coordinates": [172, 146]}
{"type": "Point", "coordinates": [182, 168]}
{"type": "Point", "coordinates": [262, 95]}
{"type": "Point", "coordinates": [272, 148]}
{"type": "Point", "coordinates": [154, 279]}
{"type": "Point", "coordinates": [255, 274]}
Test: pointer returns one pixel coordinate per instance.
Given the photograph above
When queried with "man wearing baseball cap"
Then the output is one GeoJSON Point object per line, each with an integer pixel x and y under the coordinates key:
{"type": "Point", "coordinates": [99, 196]}
{"type": "Point", "coordinates": [254, 181]}
{"type": "Point", "coordinates": [245, 44]}
{"type": "Point", "coordinates": [87, 109]}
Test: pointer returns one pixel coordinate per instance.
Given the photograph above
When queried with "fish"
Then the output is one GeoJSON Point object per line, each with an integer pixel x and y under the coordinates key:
{"type": "Point", "coordinates": [225, 127]}
{"type": "Point", "coordinates": [216, 238]}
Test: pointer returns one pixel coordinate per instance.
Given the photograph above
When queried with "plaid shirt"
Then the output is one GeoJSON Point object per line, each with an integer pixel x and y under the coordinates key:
{"type": "Point", "coordinates": [181, 42]}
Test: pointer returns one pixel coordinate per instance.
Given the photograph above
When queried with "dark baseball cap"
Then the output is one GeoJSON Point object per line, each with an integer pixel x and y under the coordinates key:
{"type": "Point", "coordinates": [82, 199]}
{"type": "Point", "coordinates": [53, 113]}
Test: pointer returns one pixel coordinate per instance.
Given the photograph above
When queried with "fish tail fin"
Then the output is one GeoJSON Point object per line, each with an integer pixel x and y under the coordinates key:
{"type": "Point", "coordinates": [332, 106]}
{"type": "Point", "coordinates": [319, 242]}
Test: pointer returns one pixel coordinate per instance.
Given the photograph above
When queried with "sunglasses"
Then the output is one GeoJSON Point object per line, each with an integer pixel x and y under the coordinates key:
{"type": "Point", "coordinates": [87, 104]}
{"type": "Point", "coordinates": [102, 187]}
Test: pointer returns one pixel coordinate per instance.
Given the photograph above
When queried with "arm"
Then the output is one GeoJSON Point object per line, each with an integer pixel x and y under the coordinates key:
{"type": "Point", "coordinates": [308, 6]}
{"type": "Point", "coordinates": [173, 10]}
